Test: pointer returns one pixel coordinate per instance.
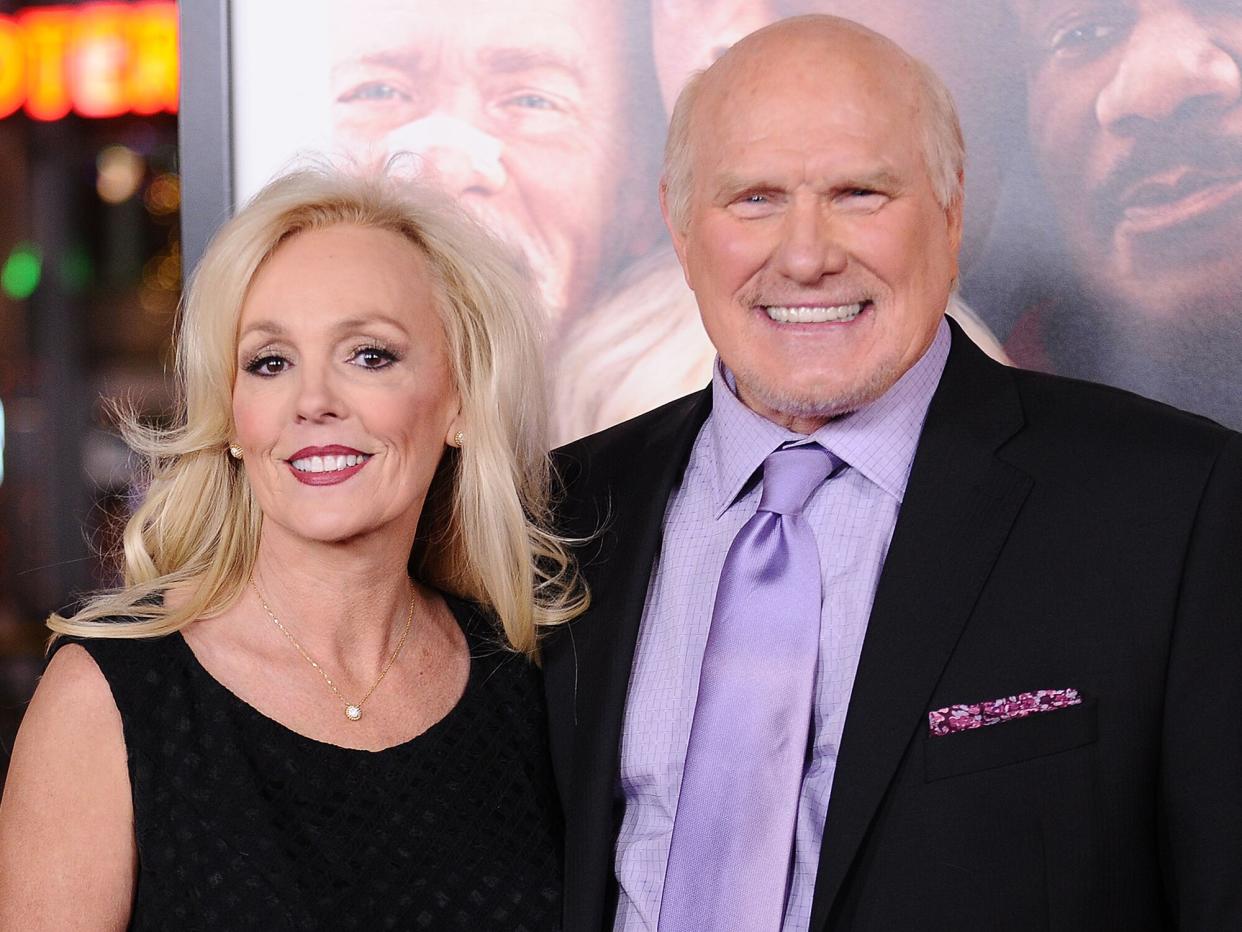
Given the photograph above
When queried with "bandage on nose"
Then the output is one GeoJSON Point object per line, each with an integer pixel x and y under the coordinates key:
{"type": "Point", "coordinates": [437, 138]}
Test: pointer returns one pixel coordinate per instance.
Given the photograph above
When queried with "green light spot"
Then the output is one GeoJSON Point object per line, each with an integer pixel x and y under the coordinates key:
{"type": "Point", "coordinates": [20, 275]}
{"type": "Point", "coordinates": [76, 270]}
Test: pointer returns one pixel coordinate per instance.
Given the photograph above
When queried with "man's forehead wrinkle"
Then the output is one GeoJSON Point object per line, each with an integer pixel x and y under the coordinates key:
{"type": "Point", "coordinates": [512, 60]}
{"type": "Point", "coordinates": [869, 87]}
{"type": "Point", "coordinates": [879, 174]}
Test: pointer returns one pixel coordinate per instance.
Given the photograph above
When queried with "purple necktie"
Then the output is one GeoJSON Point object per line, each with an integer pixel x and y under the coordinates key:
{"type": "Point", "coordinates": [728, 866]}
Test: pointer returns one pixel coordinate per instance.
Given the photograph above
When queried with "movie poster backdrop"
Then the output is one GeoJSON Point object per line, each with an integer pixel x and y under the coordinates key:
{"type": "Point", "coordinates": [1104, 166]}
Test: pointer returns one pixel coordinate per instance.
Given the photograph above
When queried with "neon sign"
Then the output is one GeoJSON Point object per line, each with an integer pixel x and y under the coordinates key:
{"type": "Point", "coordinates": [95, 59]}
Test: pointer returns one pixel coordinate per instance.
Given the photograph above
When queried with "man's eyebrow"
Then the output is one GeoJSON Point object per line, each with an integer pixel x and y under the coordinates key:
{"type": "Point", "coordinates": [730, 185]}
{"type": "Point", "coordinates": [515, 60]}
{"type": "Point", "coordinates": [407, 60]}
{"type": "Point", "coordinates": [881, 179]}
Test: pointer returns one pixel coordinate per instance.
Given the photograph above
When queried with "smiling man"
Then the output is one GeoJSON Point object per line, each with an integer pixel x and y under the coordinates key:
{"type": "Point", "coordinates": [524, 112]}
{"type": "Point", "coordinates": [883, 634]}
{"type": "Point", "coordinates": [644, 346]}
{"type": "Point", "coordinates": [1135, 111]}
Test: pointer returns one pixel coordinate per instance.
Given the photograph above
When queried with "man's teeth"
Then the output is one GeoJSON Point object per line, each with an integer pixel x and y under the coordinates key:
{"type": "Point", "coordinates": [328, 463]}
{"type": "Point", "coordinates": [814, 315]}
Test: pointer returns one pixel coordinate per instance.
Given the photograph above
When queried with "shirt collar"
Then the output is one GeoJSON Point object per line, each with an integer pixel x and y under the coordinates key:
{"type": "Point", "coordinates": [878, 440]}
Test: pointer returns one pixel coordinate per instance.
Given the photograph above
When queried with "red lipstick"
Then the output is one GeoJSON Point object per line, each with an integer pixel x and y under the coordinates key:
{"type": "Point", "coordinates": [329, 475]}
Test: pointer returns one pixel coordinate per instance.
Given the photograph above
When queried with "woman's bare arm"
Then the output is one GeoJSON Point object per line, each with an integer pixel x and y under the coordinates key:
{"type": "Point", "coordinates": [67, 851]}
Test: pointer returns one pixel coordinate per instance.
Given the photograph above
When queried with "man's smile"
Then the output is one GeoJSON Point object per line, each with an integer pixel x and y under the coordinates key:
{"type": "Point", "coordinates": [815, 313]}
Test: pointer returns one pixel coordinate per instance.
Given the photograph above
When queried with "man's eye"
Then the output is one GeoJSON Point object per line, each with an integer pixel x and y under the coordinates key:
{"type": "Point", "coordinates": [533, 102]}
{"type": "Point", "coordinates": [267, 365]}
{"type": "Point", "coordinates": [373, 357]}
{"type": "Point", "coordinates": [755, 205]}
{"type": "Point", "coordinates": [1083, 38]}
{"type": "Point", "coordinates": [372, 92]}
{"type": "Point", "coordinates": [754, 199]}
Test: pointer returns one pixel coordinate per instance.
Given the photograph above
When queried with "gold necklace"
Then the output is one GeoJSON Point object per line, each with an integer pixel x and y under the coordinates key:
{"type": "Point", "coordinates": [353, 710]}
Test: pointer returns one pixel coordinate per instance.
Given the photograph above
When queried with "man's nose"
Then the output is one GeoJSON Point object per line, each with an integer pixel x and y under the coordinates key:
{"type": "Point", "coordinates": [809, 246]}
{"type": "Point", "coordinates": [457, 154]}
{"type": "Point", "coordinates": [1171, 68]}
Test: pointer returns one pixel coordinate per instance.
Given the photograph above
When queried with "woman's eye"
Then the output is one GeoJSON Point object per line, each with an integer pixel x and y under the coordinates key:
{"type": "Point", "coordinates": [372, 357]}
{"type": "Point", "coordinates": [267, 365]}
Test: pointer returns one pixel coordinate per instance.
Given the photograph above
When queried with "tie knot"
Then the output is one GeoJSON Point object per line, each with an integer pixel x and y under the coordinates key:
{"type": "Point", "coordinates": [790, 475]}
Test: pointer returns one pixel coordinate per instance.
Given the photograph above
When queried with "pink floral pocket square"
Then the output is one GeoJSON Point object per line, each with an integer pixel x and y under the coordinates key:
{"type": "Point", "coordinates": [957, 718]}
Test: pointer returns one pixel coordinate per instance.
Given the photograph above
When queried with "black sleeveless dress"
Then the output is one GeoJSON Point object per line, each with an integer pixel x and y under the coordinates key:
{"type": "Point", "coordinates": [243, 824]}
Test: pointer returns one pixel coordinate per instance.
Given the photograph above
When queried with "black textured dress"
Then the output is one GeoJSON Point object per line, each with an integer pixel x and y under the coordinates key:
{"type": "Point", "coordinates": [243, 824]}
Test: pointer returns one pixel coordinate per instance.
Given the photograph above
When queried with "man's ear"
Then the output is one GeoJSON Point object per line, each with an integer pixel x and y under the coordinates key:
{"type": "Point", "coordinates": [676, 234]}
{"type": "Point", "coordinates": [954, 219]}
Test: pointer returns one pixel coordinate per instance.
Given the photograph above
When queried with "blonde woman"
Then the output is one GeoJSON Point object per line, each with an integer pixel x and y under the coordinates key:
{"type": "Point", "coordinates": [274, 725]}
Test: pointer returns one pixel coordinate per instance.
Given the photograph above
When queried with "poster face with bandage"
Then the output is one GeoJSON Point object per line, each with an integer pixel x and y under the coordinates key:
{"type": "Point", "coordinates": [1104, 167]}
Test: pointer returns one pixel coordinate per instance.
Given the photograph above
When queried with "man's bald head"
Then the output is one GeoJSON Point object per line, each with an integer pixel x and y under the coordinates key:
{"type": "Point", "coordinates": [807, 42]}
{"type": "Point", "coordinates": [818, 219]}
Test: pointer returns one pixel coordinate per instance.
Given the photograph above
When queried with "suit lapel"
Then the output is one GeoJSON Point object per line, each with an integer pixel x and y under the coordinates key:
{"type": "Point", "coordinates": [623, 488]}
{"type": "Point", "coordinates": [960, 503]}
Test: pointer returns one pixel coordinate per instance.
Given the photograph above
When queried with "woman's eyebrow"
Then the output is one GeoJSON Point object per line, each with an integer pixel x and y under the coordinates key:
{"type": "Point", "coordinates": [268, 327]}
{"type": "Point", "coordinates": [361, 322]}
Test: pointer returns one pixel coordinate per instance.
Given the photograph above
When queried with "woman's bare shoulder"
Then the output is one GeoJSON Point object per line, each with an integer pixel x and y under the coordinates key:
{"type": "Point", "coordinates": [66, 818]}
{"type": "Point", "coordinates": [72, 701]}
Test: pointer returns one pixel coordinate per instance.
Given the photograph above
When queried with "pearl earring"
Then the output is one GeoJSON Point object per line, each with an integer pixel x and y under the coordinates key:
{"type": "Point", "coordinates": [459, 439]}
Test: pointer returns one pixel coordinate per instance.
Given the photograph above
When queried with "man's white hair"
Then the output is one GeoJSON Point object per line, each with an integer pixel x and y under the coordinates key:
{"type": "Point", "coordinates": [944, 148]}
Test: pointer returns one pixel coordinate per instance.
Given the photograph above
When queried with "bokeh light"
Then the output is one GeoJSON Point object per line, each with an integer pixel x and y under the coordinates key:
{"type": "Point", "coordinates": [163, 195]}
{"type": "Point", "coordinates": [121, 170]}
{"type": "Point", "coordinates": [76, 269]}
{"type": "Point", "coordinates": [22, 270]}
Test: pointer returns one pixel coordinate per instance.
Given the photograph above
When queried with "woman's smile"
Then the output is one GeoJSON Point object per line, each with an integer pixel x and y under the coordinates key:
{"type": "Point", "coordinates": [328, 465]}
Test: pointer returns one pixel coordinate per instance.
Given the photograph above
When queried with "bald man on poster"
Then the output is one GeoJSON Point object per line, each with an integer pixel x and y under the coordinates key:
{"type": "Point", "coordinates": [885, 635]}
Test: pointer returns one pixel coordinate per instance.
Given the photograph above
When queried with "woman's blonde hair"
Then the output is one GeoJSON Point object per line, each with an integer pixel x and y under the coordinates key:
{"type": "Point", "coordinates": [484, 532]}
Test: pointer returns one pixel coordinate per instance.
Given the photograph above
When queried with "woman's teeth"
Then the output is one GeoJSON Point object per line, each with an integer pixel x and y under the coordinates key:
{"type": "Point", "coordinates": [328, 463]}
{"type": "Point", "coordinates": [814, 315]}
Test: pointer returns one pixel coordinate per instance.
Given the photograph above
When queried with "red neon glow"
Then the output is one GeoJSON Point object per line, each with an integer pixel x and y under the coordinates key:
{"type": "Point", "coordinates": [96, 59]}
{"type": "Point", "coordinates": [12, 87]}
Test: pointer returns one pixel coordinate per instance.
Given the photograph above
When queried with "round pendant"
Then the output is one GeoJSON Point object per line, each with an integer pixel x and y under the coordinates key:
{"type": "Point", "coordinates": [353, 713]}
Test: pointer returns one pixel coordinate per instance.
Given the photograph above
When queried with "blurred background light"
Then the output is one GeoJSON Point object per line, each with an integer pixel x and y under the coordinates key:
{"type": "Point", "coordinates": [76, 271]}
{"type": "Point", "coordinates": [163, 195]}
{"type": "Point", "coordinates": [22, 271]}
{"type": "Point", "coordinates": [120, 172]}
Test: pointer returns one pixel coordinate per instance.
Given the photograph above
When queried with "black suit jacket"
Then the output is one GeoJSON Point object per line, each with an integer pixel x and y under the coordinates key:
{"type": "Point", "coordinates": [1054, 534]}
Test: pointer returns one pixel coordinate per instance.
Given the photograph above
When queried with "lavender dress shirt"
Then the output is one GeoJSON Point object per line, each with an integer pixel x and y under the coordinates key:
{"type": "Point", "coordinates": [852, 517]}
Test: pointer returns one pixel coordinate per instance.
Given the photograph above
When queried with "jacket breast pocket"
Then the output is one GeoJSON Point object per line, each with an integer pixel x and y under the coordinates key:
{"type": "Point", "coordinates": [1009, 742]}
